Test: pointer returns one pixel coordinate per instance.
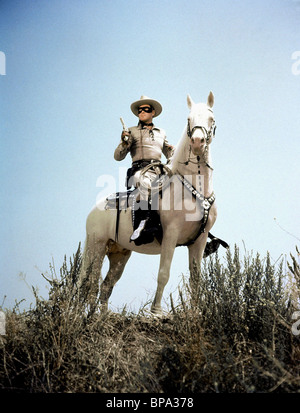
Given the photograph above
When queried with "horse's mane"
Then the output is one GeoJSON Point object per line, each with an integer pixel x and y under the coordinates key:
{"type": "Point", "coordinates": [179, 151]}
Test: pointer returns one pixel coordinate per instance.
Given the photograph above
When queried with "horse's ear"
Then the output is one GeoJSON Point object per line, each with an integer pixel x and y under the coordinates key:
{"type": "Point", "coordinates": [210, 99]}
{"type": "Point", "coordinates": [189, 101]}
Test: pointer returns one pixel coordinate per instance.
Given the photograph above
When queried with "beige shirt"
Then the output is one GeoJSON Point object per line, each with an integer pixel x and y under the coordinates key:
{"type": "Point", "coordinates": [144, 143]}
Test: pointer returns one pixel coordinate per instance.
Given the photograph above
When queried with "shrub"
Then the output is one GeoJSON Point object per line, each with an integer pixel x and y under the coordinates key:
{"type": "Point", "coordinates": [230, 331]}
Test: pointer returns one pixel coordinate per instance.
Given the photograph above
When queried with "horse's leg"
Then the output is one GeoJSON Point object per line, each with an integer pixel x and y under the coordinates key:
{"type": "Point", "coordinates": [197, 249]}
{"type": "Point", "coordinates": [167, 251]}
{"type": "Point", "coordinates": [118, 258]}
{"type": "Point", "coordinates": [93, 255]}
{"type": "Point", "coordinates": [196, 252]}
{"type": "Point", "coordinates": [90, 277]}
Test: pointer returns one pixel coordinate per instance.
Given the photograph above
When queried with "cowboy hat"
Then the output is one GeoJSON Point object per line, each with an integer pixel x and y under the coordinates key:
{"type": "Point", "coordinates": [146, 101]}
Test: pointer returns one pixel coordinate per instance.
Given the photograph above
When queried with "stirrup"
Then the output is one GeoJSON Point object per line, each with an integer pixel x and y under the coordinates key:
{"type": "Point", "coordinates": [138, 231]}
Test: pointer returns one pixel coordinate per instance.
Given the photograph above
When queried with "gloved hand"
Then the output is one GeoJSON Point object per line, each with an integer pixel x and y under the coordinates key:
{"type": "Point", "coordinates": [125, 137]}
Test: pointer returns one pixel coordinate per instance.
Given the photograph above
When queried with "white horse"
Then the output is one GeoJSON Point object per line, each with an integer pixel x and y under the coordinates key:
{"type": "Point", "coordinates": [186, 214]}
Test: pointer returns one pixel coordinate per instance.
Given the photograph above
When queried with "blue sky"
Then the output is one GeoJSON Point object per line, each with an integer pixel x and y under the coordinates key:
{"type": "Point", "coordinates": [74, 67]}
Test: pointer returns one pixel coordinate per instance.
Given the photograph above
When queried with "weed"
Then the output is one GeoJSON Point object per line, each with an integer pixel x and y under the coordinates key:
{"type": "Point", "coordinates": [230, 331]}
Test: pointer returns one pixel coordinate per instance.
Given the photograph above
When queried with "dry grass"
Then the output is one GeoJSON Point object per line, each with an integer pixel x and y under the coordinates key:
{"type": "Point", "coordinates": [229, 332]}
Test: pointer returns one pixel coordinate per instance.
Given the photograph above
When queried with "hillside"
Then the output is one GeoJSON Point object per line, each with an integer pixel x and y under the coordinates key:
{"type": "Point", "coordinates": [233, 330]}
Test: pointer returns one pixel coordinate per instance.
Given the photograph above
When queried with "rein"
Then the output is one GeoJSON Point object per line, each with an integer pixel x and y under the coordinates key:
{"type": "Point", "coordinates": [206, 203]}
{"type": "Point", "coordinates": [209, 134]}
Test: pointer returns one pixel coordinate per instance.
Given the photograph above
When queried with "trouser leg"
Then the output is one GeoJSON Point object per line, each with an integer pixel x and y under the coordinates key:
{"type": "Point", "coordinates": [144, 214]}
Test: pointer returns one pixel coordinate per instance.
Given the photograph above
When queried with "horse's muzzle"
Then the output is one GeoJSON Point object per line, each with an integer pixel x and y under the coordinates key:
{"type": "Point", "coordinates": [198, 145]}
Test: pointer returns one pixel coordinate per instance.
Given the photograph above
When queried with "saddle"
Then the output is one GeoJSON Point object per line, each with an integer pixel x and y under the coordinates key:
{"type": "Point", "coordinates": [126, 200]}
{"type": "Point", "coordinates": [153, 230]}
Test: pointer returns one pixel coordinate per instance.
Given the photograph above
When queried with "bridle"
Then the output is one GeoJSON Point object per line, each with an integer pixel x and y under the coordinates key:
{"type": "Point", "coordinates": [208, 133]}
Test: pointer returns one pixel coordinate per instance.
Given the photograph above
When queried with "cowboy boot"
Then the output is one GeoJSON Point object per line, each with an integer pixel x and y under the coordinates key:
{"type": "Point", "coordinates": [145, 217]}
{"type": "Point", "coordinates": [137, 232]}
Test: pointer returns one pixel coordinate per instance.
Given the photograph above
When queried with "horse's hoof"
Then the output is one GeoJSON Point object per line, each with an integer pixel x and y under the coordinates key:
{"type": "Point", "coordinates": [156, 312]}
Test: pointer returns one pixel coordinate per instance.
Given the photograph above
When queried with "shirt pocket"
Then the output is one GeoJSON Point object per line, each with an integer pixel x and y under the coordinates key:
{"type": "Point", "coordinates": [159, 138]}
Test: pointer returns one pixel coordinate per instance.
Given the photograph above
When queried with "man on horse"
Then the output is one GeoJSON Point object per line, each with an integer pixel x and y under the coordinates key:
{"type": "Point", "coordinates": [146, 143]}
